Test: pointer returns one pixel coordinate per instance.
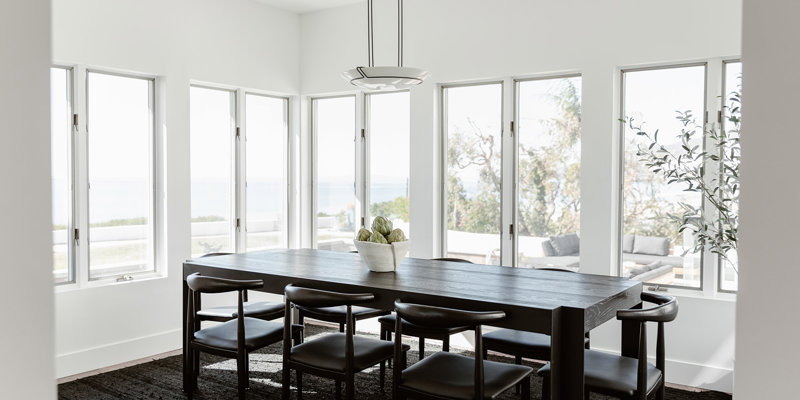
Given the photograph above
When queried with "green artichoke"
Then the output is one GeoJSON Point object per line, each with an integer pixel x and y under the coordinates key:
{"type": "Point", "coordinates": [397, 235]}
{"type": "Point", "coordinates": [382, 225]}
{"type": "Point", "coordinates": [363, 235]}
{"type": "Point", "coordinates": [378, 238]}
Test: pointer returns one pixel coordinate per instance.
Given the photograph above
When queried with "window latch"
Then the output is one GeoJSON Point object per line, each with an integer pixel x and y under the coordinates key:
{"type": "Point", "coordinates": [125, 278]}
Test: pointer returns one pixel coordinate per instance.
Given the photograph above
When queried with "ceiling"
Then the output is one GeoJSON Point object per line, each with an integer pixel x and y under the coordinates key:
{"type": "Point", "coordinates": [304, 6]}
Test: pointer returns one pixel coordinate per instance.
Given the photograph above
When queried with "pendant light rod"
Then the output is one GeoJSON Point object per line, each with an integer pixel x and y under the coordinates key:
{"type": "Point", "coordinates": [370, 50]}
{"type": "Point", "coordinates": [399, 33]}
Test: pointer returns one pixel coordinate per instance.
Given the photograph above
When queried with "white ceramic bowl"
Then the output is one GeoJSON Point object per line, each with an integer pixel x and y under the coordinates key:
{"type": "Point", "coordinates": [382, 257]}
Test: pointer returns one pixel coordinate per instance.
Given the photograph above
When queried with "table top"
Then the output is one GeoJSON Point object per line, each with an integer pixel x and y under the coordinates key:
{"type": "Point", "coordinates": [528, 293]}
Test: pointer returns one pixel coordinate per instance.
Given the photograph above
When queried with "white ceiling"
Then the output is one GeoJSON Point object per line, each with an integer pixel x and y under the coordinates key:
{"type": "Point", "coordinates": [304, 6]}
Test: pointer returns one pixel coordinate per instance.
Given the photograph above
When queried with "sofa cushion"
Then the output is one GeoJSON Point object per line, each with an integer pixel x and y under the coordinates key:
{"type": "Point", "coordinates": [657, 246]}
{"type": "Point", "coordinates": [566, 245]}
{"type": "Point", "coordinates": [643, 268]}
{"type": "Point", "coordinates": [547, 249]}
{"type": "Point", "coordinates": [627, 244]}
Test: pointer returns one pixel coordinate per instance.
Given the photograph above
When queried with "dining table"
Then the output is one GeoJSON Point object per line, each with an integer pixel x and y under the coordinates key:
{"type": "Point", "coordinates": [562, 305]}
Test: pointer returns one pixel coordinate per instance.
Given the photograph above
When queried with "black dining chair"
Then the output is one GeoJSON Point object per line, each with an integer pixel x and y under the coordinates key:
{"type": "Point", "coordinates": [446, 375]}
{"type": "Point", "coordinates": [421, 333]}
{"type": "Point", "coordinates": [266, 310]}
{"type": "Point", "coordinates": [337, 356]}
{"type": "Point", "coordinates": [626, 377]}
{"type": "Point", "coordinates": [337, 315]}
{"type": "Point", "coordinates": [236, 338]}
{"type": "Point", "coordinates": [521, 344]}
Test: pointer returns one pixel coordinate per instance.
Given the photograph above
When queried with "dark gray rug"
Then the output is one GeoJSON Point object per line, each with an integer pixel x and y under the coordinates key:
{"type": "Point", "coordinates": [162, 379]}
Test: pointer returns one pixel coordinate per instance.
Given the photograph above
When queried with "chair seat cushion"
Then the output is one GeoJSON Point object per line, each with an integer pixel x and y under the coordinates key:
{"type": "Point", "coordinates": [328, 352]}
{"type": "Point", "coordinates": [339, 313]}
{"type": "Point", "coordinates": [257, 309]}
{"type": "Point", "coordinates": [258, 333]}
{"type": "Point", "coordinates": [612, 373]}
{"type": "Point", "coordinates": [519, 343]}
{"type": "Point", "coordinates": [388, 322]}
{"type": "Point", "coordinates": [451, 375]}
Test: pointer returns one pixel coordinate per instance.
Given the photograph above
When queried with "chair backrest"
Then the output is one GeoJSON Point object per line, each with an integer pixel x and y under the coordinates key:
{"type": "Point", "coordinates": [440, 317]}
{"type": "Point", "coordinates": [322, 298]}
{"type": "Point", "coordinates": [666, 310]}
{"type": "Point", "coordinates": [452, 259]}
{"type": "Point", "coordinates": [215, 254]}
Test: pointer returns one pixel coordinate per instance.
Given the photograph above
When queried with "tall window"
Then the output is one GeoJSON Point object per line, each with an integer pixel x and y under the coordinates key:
{"type": "Point", "coordinates": [473, 181]}
{"type": "Point", "coordinates": [266, 130]}
{"type": "Point", "coordinates": [548, 172]}
{"type": "Point", "coordinates": [213, 131]}
{"type": "Point", "coordinates": [731, 90]}
{"type": "Point", "coordinates": [652, 248]}
{"type": "Point", "coordinates": [388, 137]}
{"type": "Point", "coordinates": [335, 148]}
{"type": "Point", "coordinates": [61, 172]}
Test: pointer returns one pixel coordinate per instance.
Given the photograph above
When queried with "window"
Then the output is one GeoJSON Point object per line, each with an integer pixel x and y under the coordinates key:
{"type": "Point", "coordinates": [61, 125]}
{"type": "Point", "coordinates": [239, 185]}
{"type": "Point", "coordinates": [731, 91]}
{"type": "Point", "coordinates": [388, 138]}
{"type": "Point", "coordinates": [120, 158]}
{"type": "Point", "coordinates": [652, 248]}
{"type": "Point", "coordinates": [336, 206]}
{"type": "Point", "coordinates": [266, 132]}
{"type": "Point", "coordinates": [548, 170]}
{"type": "Point", "coordinates": [213, 131]}
{"type": "Point", "coordinates": [473, 182]}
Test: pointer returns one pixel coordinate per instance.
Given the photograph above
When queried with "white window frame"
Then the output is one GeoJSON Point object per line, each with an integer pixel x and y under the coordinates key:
{"type": "Point", "coordinates": [71, 276]}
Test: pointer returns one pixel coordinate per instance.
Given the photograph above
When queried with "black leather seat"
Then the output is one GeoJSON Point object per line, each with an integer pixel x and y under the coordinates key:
{"type": "Point", "coordinates": [336, 356]}
{"type": "Point", "coordinates": [451, 376]}
{"type": "Point", "coordinates": [258, 334]}
{"type": "Point", "coordinates": [233, 339]}
{"type": "Point", "coordinates": [618, 374]}
{"type": "Point", "coordinates": [626, 377]}
{"type": "Point", "coordinates": [519, 343]}
{"type": "Point", "coordinates": [326, 352]}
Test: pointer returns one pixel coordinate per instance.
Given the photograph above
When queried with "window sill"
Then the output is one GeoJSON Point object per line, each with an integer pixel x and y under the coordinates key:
{"type": "Point", "coordinates": [694, 294]}
{"type": "Point", "coordinates": [110, 281]}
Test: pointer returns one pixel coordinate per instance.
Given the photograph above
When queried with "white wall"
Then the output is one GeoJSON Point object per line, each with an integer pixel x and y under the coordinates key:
{"type": "Point", "coordinates": [459, 40]}
{"type": "Point", "coordinates": [27, 336]}
{"type": "Point", "coordinates": [766, 313]}
{"type": "Point", "coordinates": [231, 42]}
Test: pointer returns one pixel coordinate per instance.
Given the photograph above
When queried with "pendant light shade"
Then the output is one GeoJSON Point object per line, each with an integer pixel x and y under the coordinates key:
{"type": "Point", "coordinates": [385, 78]}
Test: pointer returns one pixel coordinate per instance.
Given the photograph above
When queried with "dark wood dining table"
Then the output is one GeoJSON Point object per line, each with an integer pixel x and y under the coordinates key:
{"type": "Point", "coordinates": [562, 305]}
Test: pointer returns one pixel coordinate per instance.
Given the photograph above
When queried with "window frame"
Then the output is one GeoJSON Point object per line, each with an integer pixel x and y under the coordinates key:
{"type": "Point", "coordinates": [71, 245]}
{"type": "Point", "coordinates": [621, 169]}
{"type": "Point", "coordinates": [153, 151]}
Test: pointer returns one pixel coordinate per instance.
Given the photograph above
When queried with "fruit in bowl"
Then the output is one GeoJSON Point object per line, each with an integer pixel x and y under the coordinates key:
{"type": "Point", "coordinates": [383, 248]}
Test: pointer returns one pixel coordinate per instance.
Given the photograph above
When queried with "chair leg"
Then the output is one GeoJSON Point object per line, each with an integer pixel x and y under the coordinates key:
{"type": "Point", "coordinates": [446, 344]}
{"type": "Point", "coordinates": [660, 392]}
{"type": "Point", "coordinates": [389, 338]}
{"type": "Point", "coordinates": [526, 389]}
{"type": "Point", "coordinates": [545, 388]}
{"type": "Point", "coordinates": [350, 387]}
{"type": "Point", "coordinates": [195, 368]}
{"type": "Point", "coordinates": [241, 372]}
{"type": "Point", "coordinates": [287, 377]}
{"type": "Point", "coordinates": [383, 375]}
{"type": "Point", "coordinates": [299, 384]}
{"type": "Point", "coordinates": [586, 394]}
{"type": "Point", "coordinates": [517, 387]}
{"type": "Point", "coordinates": [338, 388]}
{"type": "Point", "coordinates": [485, 353]}
{"type": "Point", "coordinates": [421, 348]}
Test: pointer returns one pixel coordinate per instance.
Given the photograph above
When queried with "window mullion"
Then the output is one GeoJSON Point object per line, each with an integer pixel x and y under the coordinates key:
{"type": "Point", "coordinates": [81, 178]}
{"type": "Point", "coordinates": [239, 180]}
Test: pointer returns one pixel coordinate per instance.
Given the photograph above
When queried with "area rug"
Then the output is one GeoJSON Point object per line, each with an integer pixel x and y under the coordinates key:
{"type": "Point", "coordinates": [162, 379]}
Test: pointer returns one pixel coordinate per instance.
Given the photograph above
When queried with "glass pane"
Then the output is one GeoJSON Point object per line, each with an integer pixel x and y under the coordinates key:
{"type": "Point", "coordinates": [266, 130]}
{"type": "Point", "coordinates": [212, 130]}
{"type": "Point", "coordinates": [60, 150]}
{"type": "Point", "coordinates": [474, 137]}
{"type": "Point", "coordinates": [652, 248]}
{"type": "Point", "coordinates": [389, 137]}
{"type": "Point", "coordinates": [729, 276]}
{"type": "Point", "coordinates": [549, 131]}
{"type": "Point", "coordinates": [120, 130]}
{"type": "Point", "coordinates": [334, 126]}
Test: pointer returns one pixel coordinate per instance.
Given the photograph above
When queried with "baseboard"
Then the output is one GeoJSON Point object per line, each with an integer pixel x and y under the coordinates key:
{"type": "Point", "coordinates": [113, 354]}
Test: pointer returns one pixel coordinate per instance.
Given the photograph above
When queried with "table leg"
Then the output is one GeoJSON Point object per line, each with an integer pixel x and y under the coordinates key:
{"type": "Point", "coordinates": [566, 366]}
{"type": "Point", "coordinates": [630, 337]}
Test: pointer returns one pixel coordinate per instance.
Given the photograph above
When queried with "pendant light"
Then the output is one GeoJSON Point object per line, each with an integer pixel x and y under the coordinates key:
{"type": "Point", "coordinates": [385, 78]}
